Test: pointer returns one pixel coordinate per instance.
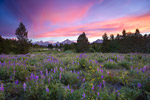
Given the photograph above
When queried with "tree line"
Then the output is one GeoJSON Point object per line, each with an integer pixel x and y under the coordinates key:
{"type": "Point", "coordinates": [127, 42]}
{"type": "Point", "coordinates": [20, 46]}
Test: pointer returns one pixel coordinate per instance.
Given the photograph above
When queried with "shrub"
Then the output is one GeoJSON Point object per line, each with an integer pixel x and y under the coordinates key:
{"type": "Point", "coordinates": [5, 73]}
{"type": "Point", "coordinates": [69, 78]}
{"type": "Point", "coordinates": [124, 64]}
{"type": "Point", "coordinates": [57, 92]}
{"type": "Point", "coordinates": [13, 91]}
{"type": "Point", "coordinates": [129, 94]}
{"type": "Point", "coordinates": [110, 65]}
{"type": "Point", "coordinates": [83, 63]}
{"type": "Point", "coordinates": [100, 60]}
{"type": "Point", "coordinates": [21, 73]}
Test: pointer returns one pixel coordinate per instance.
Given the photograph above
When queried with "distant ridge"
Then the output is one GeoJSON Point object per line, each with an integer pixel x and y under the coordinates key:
{"type": "Point", "coordinates": [41, 43]}
{"type": "Point", "coordinates": [98, 41]}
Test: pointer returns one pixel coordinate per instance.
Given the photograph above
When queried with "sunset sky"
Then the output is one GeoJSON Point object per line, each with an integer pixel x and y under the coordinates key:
{"type": "Point", "coordinates": [57, 20]}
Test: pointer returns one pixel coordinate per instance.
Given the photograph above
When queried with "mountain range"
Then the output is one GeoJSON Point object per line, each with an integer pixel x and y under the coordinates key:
{"type": "Point", "coordinates": [67, 41]}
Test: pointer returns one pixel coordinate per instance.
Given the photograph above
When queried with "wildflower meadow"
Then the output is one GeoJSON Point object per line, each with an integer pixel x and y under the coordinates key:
{"type": "Point", "coordinates": [75, 76]}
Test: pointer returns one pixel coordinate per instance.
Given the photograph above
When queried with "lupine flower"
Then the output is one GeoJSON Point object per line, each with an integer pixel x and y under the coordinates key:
{"type": "Point", "coordinates": [2, 87]}
{"type": "Point", "coordinates": [72, 90]}
{"type": "Point", "coordinates": [108, 73]}
{"type": "Point", "coordinates": [100, 66]}
{"type": "Point", "coordinates": [46, 72]}
{"type": "Point", "coordinates": [97, 94]}
{"type": "Point", "coordinates": [139, 85]}
{"type": "Point", "coordinates": [104, 82]}
{"type": "Point", "coordinates": [31, 76]}
{"type": "Point", "coordinates": [83, 96]}
{"type": "Point", "coordinates": [36, 77]}
{"type": "Point", "coordinates": [24, 86]}
{"type": "Point", "coordinates": [48, 80]}
{"type": "Point", "coordinates": [41, 72]}
{"type": "Point", "coordinates": [102, 71]}
{"type": "Point", "coordinates": [102, 77]}
{"type": "Point", "coordinates": [97, 69]}
{"type": "Point", "coordinates": [60, 76]}
{"type": "Point", "coordinates": [47, 89]}
{"type": "Point", "coordinates": [16, 82]}
{"type": "Point", "coordinates": [92, 87]}
{"type": "Point", "coordinates": [144, 69]}
{"type": "Point", "coordinates": [68, 87]}
{"type": "Point", "coordinates": [100, 85]}
{"type": "Point", "coordinates": [54, 70]}
{"type": "Point", "coordinates": [83, 80]}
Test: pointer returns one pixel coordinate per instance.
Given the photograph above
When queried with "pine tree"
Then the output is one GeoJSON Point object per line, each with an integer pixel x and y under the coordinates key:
{"type": "Point", "coordinates": [22, 36]}
{"type": "Point", "coordinates": [82, 43]}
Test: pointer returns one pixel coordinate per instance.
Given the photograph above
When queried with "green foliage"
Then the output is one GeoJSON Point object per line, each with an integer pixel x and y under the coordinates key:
{"type": "Point", "coordinates": [110, 65]}
{"type": "Point", "coordinates": [126, 43]}
{"type": "Point", "coordinates": [13, 91]}
{"type": "Point", "coordinates": [20, 46]}
{"type": "Point", "coordinates": [62, 76]}
{"type": "Point", "coordinates": [5, 73]}
{"type": "Point", "coordinates": [129, 94]}
{"type": "Point", "coordinates": [83, 63]}
{"type": "Point", "coordinates": [100, 59]}
{"type": "Point", "coordinates": [20, 73]}
{"type": "Point", "coordinates": [82, 43]}
{"type": "Point", "coordinates": [124, 64]}
{"type": "Point", "coordinates": [69, 78]}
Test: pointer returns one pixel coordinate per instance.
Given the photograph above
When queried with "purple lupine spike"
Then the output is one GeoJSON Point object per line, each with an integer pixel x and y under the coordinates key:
{"type": "Point", "coordinates": [47, 89]}
{"type": "Point", "coordinates": [2, 87]}
{"type": "Point", "coordinates": [49, 80]}
{"type": "Point", "coordinates": [144, 69]}
{"type": "Point", "coordinates": [108, 72]}
{"type": "Point", "coordinates": [60, 76]}
{"type": "Point", "coordinates": [68, 87]}
{"type": "Point", "coordinates": [104, 83]}
{"type": "Point", "coordinates": [72, 90]}
{"type": "Point", "coordinates": [102, 77]}
{"type": "Point", "coordinates": [98, 94]}
{"type": "Point", "coordinates": [46, 72]}
{"type": "Point", "coordinates": [97, 69]}
{"type": "Point", "coordinates": [139, 85]}
{"type": "Point", "coordinates": [36, 77]}
{"type": "Point", "coordinates": [16, 82]}
{"type": "Point", "coordinates": [100, 66]}
{"type": "Point", "coordinates": [83, 80]}
{"type": "Point", "coordinates": [102, 71]}
{"type": "Point", "coordinates": [100, 85]}
{"type": "Point", "coordinates": [83, 95]}
{"type": "Point", "coordinates": [24, 86]}
{"type": "Point", "coordinates": [92, 87]}
{"type": "Point", "coordinates": [31, 76]}
{"type": "Point", "coordinates": [41, 72]}
{"type": "Point", "coordinates": [54, 70]}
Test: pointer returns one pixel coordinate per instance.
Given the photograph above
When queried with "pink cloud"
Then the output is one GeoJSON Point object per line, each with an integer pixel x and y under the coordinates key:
{"type": "Point", "coordinates": [99, 28]}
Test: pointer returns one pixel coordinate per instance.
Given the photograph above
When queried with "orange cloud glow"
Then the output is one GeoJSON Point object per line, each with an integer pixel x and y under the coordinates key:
{"type": "Point", "coordinates": [96, 29]}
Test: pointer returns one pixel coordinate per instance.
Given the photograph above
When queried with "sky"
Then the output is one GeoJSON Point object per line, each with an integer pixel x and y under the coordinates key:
{"type": "Point", "coordinates": [57, 20]}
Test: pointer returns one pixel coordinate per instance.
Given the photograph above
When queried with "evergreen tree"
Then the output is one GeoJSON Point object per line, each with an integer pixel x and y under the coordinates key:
{"type": "Point", "coordinates": [82, 43]}
{"type": "Point", "coordinates": [50, 46]}
{"type": "Point", "coordinates": [105, 44]}
{"type": "Point", "coordinates": [22, 36]}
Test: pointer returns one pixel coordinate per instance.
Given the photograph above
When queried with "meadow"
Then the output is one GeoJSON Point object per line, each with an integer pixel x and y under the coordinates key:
{"type": "Point", "coordinates": [75, 76]}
